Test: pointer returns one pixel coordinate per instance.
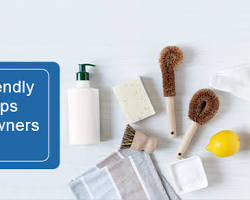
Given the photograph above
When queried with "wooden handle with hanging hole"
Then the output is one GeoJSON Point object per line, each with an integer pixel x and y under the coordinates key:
{"type": "Point", "coordinates": [187, 139]}
{"type": "Point", "coordinates": [143, 142]}
{"type": "Point", "coordinates": [170, 108]}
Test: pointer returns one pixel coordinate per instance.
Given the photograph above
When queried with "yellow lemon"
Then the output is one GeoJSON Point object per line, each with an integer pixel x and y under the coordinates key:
{"type": "Point", "coordinates": [224, 143]}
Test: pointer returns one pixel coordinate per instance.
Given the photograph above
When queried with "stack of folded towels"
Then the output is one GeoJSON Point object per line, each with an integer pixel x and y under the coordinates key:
{"type": "Point", "coordinates": [125, 174]}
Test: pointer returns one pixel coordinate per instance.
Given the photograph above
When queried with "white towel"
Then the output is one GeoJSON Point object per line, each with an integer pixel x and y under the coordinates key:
{"type": "Point", "coordinates": [128, 175]}
{"type": "Point", "coordinates": [234, 80]}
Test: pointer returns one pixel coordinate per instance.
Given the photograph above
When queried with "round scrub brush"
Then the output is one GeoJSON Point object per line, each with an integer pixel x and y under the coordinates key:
{"type": "Point", "coordinates": [138, 141]}
{"type": "Point", "coordinates": [203, 107]}
{"type": "Point", "coordinates": [170, 57]}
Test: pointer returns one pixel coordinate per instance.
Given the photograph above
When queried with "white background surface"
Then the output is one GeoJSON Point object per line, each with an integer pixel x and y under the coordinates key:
{"type": "Point", "coordinates": [124, 39]}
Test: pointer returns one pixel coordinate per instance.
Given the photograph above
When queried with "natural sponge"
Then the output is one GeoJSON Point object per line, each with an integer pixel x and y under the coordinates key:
{"type": "Point", "coordinates": [134, 100]}
{"type": "Point", "coordinates": [203, 106]}
{"type": "Point", "coordinates": [170, 57]}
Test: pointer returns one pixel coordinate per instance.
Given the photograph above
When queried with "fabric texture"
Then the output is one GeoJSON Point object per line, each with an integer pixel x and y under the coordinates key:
{"type": "Point", "coordinates": [126, 174]}
{"type": "Point", "coordinates": [234, 80]}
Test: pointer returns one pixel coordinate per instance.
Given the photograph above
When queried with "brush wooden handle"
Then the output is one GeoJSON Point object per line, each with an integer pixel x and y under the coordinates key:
{"type": "Point", "coordinates": [187, 139]}
{"type": "Point", "coordinates": [151, 144]}
{"type": "Point", "coordinates": [143, 142]}
{"type": "Point", "coordinates": [170, 108]}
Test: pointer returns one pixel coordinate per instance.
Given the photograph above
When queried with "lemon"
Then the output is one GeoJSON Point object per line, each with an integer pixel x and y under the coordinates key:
{"type": "Point", "coordinates": [224, 143]}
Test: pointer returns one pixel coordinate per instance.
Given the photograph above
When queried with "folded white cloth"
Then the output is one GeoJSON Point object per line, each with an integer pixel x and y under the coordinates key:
{"type": "Point", "coordinates": [234, 80]}
{"type": "Point", "coordinates": [128, 175]}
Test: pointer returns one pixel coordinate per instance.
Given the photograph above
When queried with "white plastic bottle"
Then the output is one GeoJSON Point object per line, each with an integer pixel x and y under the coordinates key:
{"type": "Point", "coordinates": [83, 110]}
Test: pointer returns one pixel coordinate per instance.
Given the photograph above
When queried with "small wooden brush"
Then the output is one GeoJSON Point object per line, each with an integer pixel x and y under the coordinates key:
{"type": "Point", "coordinates": [203, 107]}
{"type": "Point", "coordinates": [136, 140]}
{"type": "Point", "coordinates": [170, 57]}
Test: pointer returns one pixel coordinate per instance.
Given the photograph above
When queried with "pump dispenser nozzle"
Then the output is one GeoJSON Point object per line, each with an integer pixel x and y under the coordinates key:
{"type": "Point", "coordinates": [82, 74]}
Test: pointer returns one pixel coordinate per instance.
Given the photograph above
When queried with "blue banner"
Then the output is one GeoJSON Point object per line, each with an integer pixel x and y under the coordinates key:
{"type": "Point", "coordinates": [29, 115]}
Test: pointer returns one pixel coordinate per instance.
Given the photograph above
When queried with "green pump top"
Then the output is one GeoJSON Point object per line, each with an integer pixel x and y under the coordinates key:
{"type": "Point", "coordinates": [82, 75]}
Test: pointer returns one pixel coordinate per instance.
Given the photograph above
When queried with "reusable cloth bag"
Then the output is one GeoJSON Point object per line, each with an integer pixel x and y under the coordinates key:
{"type": "Point", "coordinates": [128, 175]}
{"type": "Point", "coordinates": [234, 80]}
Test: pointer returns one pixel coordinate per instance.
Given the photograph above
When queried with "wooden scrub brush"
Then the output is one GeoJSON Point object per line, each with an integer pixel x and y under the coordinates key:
{"type": "Point", "coordinates": [203, 107]}
{"type": "Point", "coordinates": [136, 140]}
{"type": "Point", "coordinates": [170, 57]}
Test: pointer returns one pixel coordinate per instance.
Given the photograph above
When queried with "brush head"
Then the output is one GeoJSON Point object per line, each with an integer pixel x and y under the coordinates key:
{"type": "Point", "coordinates": [203, 106]}
{"type": "Point", "coordinates": [170, 57]}
{"type": "Point", "coordinates": [128, 137]}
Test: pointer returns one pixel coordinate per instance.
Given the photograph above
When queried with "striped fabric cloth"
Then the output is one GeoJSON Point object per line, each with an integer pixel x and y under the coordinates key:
{"type": "Point", "coordinates": [128, 175]}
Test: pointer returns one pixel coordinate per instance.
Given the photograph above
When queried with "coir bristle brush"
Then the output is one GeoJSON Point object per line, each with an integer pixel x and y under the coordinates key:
{"type": "Point", "coordinates": [136, 140]}
{"type": "Point", "coordinates": [203, 107]}
{"type": "Point", "coordinates": [170, 57]}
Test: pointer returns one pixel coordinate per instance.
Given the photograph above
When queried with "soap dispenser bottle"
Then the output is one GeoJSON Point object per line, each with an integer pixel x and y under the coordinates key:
{"type": "Point", "coordinates": [83, 110]}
